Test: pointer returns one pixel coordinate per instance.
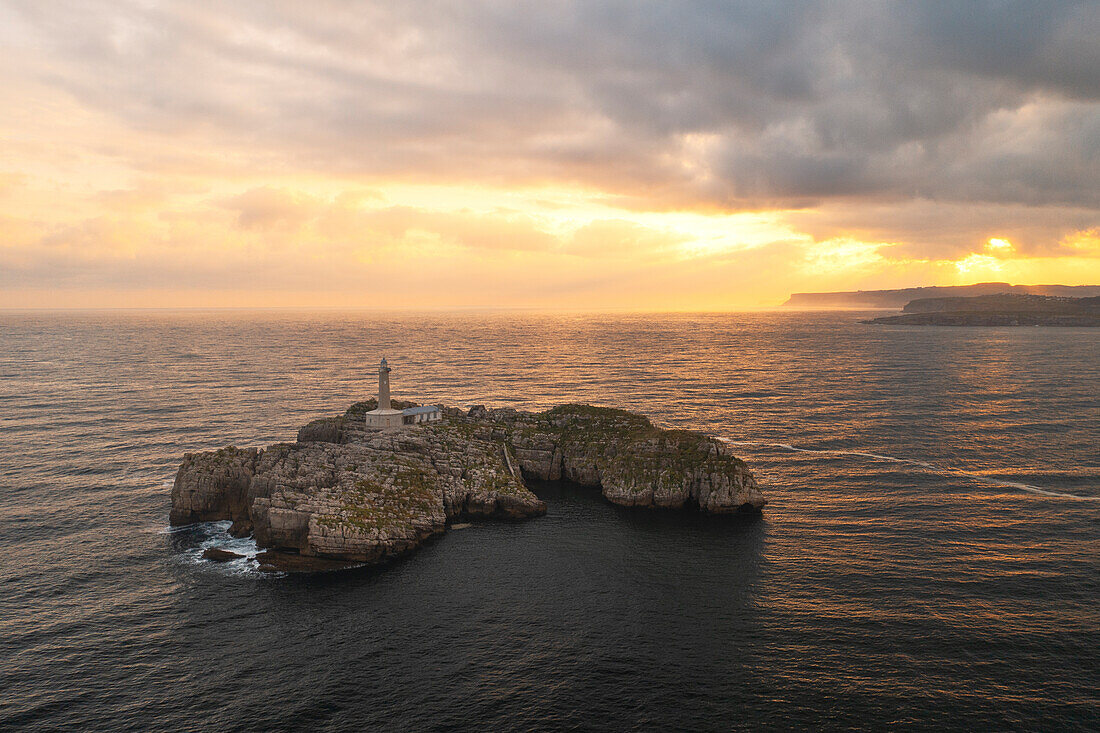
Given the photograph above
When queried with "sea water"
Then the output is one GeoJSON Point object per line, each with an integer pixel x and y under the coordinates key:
{"type": "Point", "coordinates": [929, 557]}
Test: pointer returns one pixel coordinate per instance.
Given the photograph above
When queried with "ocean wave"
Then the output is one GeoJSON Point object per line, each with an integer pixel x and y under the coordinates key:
{"type": "Point", "coordinates": [195, 539]}
{"type": "Point", "coordinates": [946, 470]}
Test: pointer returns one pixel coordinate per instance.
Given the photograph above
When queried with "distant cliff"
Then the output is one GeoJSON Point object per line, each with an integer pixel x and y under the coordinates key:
{"type": "Point", "coordinates": [898, 298]}
{"type": "Point", "coordinates": [344, 493]}
{"type": "Point", "coordinates": [999, 310]}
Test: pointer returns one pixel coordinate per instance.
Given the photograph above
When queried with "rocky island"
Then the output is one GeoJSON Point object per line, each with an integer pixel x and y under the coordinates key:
{"type": "Point", "coordinates": [348, 494]}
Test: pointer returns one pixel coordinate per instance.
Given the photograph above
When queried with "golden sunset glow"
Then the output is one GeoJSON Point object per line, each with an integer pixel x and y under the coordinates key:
{"type": "Point", "coordinates": [266, 162]}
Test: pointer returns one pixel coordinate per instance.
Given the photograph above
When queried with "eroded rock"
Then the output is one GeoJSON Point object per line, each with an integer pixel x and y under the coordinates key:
{"type": "Point", "coordinates": [213, 486]}
{"type": "Point", "coordinates": [353, 495]}
{"type": "Point", "coordinates": [217, 554]}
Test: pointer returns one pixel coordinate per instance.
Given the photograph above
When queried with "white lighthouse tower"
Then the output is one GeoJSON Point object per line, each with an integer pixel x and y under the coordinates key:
{"type": "Point", "coordinates": [385, 416]}
{"type": "Point", "coordinates": [384, 385]}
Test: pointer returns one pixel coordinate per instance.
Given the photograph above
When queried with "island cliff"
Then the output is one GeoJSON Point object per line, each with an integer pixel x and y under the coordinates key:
{"type": "Point", "coordinates": [344, 493]}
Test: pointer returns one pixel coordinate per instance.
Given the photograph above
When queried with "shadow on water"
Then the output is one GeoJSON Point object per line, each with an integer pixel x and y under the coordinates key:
{"type": "Point", "coordinates": [565, 493]}
{"type": "Point", "coordinates": [870, 592]}
{"type": "Point", "coordinates": [571, 619]}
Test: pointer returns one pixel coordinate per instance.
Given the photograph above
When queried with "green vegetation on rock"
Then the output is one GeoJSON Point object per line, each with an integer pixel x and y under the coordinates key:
{"type": "Point", "coordinates": [350, 492]}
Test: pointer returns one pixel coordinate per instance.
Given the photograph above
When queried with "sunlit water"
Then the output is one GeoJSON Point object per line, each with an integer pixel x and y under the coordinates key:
{"type": "Point", "coordinates": [929, 558]}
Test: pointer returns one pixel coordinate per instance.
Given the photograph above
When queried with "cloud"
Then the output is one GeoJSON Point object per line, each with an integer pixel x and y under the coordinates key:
{"type": "Point", "coordinates": [355, 246]}
{"type": "Point", "coordinates": [357, 217]}
{"type": "Point", "coordinates": [501, 231]}
{"type": "Point", "coordinates": [618, 237]}
{"type": "Point", "coordinates": [266, 207]}
{"type": "Point", "coordinates": [10, 181]}
{"type": "Point", "coordinates": [928, 127]}
{"type": "Point", "coordinates": [802, 102]}
{"type": "Point", "coordinates": [924, 228]}
{"type": "Point", "coordinates": [146, 194]}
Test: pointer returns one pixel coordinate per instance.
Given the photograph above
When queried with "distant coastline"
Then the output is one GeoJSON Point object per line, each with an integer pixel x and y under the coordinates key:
{"type": "Point", "coordinates": [901, 297]}
{"type": "Point", "coordinates": [1003, 309]}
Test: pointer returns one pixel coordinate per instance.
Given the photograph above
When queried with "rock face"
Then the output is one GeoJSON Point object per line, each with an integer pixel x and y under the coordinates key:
{"type": "Point", "coordinates": [349, 493]}
{"type": "Point", "coordinates": [632, 462]}
{"type": "Point", "coordinates": [214, 486]}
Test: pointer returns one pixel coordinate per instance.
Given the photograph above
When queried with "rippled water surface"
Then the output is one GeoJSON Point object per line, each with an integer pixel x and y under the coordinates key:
{"type": "Point", "coordinates": [929, 559]}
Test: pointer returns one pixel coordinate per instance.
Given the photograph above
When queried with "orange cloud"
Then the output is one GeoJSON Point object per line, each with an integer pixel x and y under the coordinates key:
{"type": "Point", "coordinates": [538, 157]}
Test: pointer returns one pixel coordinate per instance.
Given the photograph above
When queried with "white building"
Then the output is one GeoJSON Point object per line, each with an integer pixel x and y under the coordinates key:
{"type": "Point", "coordinates": [387, 417]}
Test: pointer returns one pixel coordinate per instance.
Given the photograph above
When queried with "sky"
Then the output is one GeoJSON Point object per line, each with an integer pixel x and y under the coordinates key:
{"type": "Point", "coordinates": [577, 155]}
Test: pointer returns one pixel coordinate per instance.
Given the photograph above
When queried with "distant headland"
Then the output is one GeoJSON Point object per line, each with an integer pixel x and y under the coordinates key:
{"type": "Point", "coordinates": [899, 298]}
{"type": "Point", "coordinates": [1002, 309]}
{"type": "Point", "coordinates": [386, 476]}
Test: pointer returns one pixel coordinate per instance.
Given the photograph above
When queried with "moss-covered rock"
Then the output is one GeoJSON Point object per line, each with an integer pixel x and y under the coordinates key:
{"type": "Point", "coordinates": [633, 462]}
{"type": "Point", "coordinates": [354, 494]}
{"type": "Point", "coordinates": [213, 486]}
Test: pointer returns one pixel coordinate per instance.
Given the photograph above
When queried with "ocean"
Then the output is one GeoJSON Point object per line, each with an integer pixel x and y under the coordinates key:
{"type": "Point", "coordinates": [929, 558]}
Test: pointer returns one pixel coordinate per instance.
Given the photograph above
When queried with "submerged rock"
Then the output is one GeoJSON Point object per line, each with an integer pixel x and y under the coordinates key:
{"type": "Point", "coordinates": [345, 494]}
{"type": "Point", "coordinates": [219, 555]}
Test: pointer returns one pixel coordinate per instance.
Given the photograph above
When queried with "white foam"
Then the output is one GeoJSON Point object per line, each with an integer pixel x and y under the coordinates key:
{"type": "Point", "coordinates": [245, 546]}
{"type": "Point", "coordinates": [1024, 487]}
{"type": "Point", "coordinates": [923, 464]}
{"type": "Point", "coordinates": [172, 530]}
{"type": "Point", "coordinates": [216, 535]}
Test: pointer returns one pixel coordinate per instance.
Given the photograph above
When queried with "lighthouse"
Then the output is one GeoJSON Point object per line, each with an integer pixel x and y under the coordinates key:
{"type": "Point", "coordinates": [384, 385]}
{"type": "Point", "coordinates": [387, 417]}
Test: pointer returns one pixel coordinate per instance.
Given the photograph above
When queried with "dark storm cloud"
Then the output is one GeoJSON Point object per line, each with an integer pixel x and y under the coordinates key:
{"type": "Point", "coordinates": [736, 105]}
{"type": "Point", "coordinates": [954, 228]}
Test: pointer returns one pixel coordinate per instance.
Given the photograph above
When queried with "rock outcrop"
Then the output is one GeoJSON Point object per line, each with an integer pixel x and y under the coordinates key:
{"type": "Point", "coordinates": [217, 554]}
{"type": "Point", "coordinates": [214, 486]}
{"type": "Point", "coordinates": [623, 454]}
{"type": "Point", "coordinates": [347, 493]}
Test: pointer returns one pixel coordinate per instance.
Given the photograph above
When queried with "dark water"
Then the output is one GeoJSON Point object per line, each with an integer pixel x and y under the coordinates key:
{"type": "Point", "coordinates": [957, 588]}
